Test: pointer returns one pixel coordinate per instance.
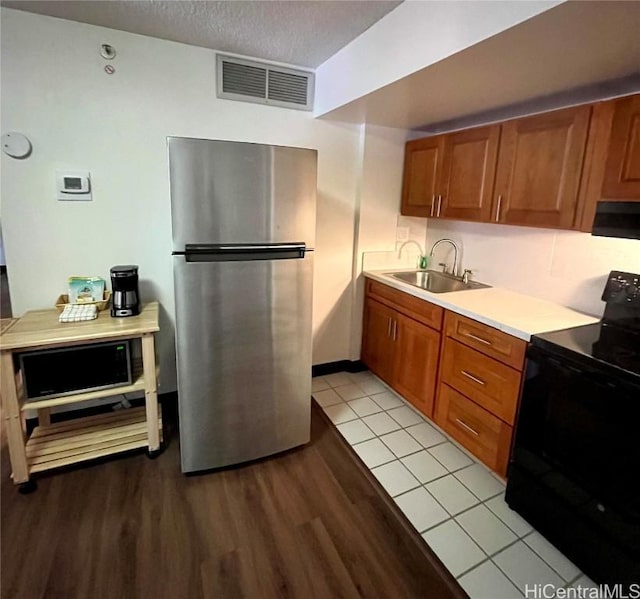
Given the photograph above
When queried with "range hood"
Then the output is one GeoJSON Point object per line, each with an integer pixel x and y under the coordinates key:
{"type": "Point", "coordinates": [617, 219]}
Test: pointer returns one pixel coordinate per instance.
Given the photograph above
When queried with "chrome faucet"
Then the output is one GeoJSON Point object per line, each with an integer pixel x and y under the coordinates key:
{"type": "Point", "coordinates": [456, 251]}
{"type": "Point", "coordinates": [414, 242]}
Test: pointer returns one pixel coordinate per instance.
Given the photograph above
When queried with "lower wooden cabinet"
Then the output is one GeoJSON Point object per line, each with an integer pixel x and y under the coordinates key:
{"type": "Point", "coordinates": [479, 386]}
{"type": "Point", "coordinates": [491, 384]}
{"type": "Point", "coordinates": [402, 352]}
{"type": "Point", "coordinates": [377, 342]}
{"type": "Point", "coordinates": [467, 378]}
{"type": "Point", "coordinates": [482, 433]}
{"type": "Point", "coordinates": [416, 363]}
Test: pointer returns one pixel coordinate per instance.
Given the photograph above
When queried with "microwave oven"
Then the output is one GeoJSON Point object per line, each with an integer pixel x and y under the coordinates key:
{"type": "Point", "coordinates": [64, 371]}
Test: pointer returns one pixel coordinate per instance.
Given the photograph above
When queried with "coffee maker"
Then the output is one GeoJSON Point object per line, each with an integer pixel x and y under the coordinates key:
{"type": "Point", "coordinates": [124, 283]}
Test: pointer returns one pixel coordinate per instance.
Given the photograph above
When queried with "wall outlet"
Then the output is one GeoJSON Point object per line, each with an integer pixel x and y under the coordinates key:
{"type": "Point", "coordinates": [402, 234]}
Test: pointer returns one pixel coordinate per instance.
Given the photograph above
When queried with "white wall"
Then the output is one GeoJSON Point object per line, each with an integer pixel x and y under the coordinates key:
{"type": "Point", "coordinates": [55, 91]}
{"type": "Point", "coordinates": [566, 267]}
{"type": "Point", "coordinates": [411, 37]}
{"type": "Point", "coordinates": [377, 220]}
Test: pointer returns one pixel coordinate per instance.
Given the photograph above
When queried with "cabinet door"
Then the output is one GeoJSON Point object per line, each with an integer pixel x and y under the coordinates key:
{"type": "Point", "coordinates": [486, 436]}
{"type": "Point", "coordinates": [622, 170]}
{"type": "Point", "coordinates": [468, 173]}
{"type": "Point", "coordinates": [539, 169]}
{"type": "Point", "coordinates": [422, 164]}
{"type": "Point", "coordinates": [377, 341]}
{"type": "Point", "coordinates": [489, 383]}
{"type": "Point", "coordinates": [416, 363]}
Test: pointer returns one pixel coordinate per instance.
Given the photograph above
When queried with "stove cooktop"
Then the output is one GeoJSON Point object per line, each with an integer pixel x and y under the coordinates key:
{"type": "Point", "coordinates": [609, 344]}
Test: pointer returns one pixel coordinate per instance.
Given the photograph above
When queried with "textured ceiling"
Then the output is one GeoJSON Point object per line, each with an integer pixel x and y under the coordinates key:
{"type": "Point", "coordinates": [303, 33]}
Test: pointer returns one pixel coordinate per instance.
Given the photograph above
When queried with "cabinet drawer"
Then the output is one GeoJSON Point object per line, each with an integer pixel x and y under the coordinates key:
{"type": "Point", "coordinates": [420, 310]}
{"type": "Point", "coordinates": [484, 435]}
{"type": "Point", "coordinates": [486, 339]}
{"type": "Point", "coordinates": [489, 383]}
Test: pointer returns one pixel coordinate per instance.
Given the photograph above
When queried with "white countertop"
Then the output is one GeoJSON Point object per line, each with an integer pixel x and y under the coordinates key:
{"type": "Point", "coordinates": [514, 313]}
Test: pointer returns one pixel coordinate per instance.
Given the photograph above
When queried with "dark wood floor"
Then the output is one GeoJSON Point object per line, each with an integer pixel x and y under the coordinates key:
{"type": "Point", "coordinates": [309, 523]}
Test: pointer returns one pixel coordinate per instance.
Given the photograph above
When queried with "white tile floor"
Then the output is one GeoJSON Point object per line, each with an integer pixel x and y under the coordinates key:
{"type": "Point", "coordinates": [450, 498]}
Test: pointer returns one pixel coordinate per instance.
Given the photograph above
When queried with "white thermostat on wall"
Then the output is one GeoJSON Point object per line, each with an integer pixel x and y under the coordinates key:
{"type": "Point", "coordinates": [73, 185]}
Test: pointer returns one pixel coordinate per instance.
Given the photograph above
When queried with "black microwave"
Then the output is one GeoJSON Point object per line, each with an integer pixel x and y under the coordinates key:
{"type": "Point", "coordinates": [64, 371]}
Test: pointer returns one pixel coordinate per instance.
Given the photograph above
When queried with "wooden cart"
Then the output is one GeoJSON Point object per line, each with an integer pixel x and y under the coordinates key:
{"type": "Point", "coordinates": [55, 445]}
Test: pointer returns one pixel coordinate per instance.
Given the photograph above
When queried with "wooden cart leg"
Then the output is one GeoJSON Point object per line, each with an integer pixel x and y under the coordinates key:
{"type": "Point", "coordinates": [13, 421]}
{"type": "Point", "coordinates": [151, 393]}
{"type": "Point", "coordinates": [44, 416]}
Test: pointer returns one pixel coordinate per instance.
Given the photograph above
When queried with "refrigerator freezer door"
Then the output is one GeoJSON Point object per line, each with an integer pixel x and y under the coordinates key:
{"type": "Point", "coordinates": [232, 192]}
{"type": "Point", "coordinates": [244, 358]}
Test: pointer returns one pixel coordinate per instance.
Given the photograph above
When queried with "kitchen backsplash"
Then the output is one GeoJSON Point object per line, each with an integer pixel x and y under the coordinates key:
{"type": "Point", "coordinates": [566, 267]}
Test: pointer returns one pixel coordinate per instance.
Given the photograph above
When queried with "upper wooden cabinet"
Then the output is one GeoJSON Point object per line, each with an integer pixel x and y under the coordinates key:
{"type": "Point", "coordinates": [468, 171]}
{"type": "Point", "coordinates": [547, 170]}
{"type": "Point", "coordinates": [622, 168]}
{"type": "Point", "coordinates": [422, 166]}
{"type": "Point", "coordinates": [451, 176]}
{"type": "Point", "coordinates": [540, 167]}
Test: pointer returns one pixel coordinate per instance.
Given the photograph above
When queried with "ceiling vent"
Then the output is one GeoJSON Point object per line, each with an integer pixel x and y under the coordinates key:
{"type": "Point", "coordinates": [264, 83]}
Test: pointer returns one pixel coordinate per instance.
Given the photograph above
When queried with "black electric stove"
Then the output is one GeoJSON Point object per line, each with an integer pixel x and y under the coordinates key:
{"type": "Point", "coordinates": [576, 456]}
{"type": "Point", "coordinates": [614, 342]}
{"type": "Point", "coordinates": [616, 349]}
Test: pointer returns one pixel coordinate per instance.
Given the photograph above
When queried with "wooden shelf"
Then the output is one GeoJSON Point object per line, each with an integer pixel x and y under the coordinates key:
{"type": "Point", "coordinates": [41, 329]}
{"type": "Point", "coordinates": [87, 438]}
{"type": "Point", "coordinates": [6, 324]}
{"type": "Point", "coordinates": [137, 375]}
{"type": "Point", "coordinates": [52, 446]}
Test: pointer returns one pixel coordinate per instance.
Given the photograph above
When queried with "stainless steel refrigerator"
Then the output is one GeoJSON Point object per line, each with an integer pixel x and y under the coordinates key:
{"type": "Point", "coordinates": [243, 220]}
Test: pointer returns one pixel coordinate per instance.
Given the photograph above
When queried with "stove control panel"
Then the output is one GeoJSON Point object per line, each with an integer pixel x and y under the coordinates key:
{"type": "Point", "coordinates": [622, 288]}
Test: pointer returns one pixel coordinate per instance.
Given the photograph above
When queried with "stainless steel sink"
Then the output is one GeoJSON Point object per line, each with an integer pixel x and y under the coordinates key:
{"type": "Point", "coordinates": [436, 282]}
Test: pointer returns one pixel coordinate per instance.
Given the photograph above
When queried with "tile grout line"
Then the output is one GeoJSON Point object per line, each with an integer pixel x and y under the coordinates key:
{"type": "Point", "coordinates": [530, 533]}
{"type": "Point", "coordinates": [383, 411]}
{"type": "Point", "coordinates": [397, 458]}
{"type": "Point", "coordinates": [404, 428]}
{"type": "Point", "coordinates": [575, 579]}
{"type": "Point", "coordinates": [488, 556]}
{"type": "Point", "coordinates": [422, 447]}
{"type": "Point", "coordinates": [422, 417]}
{"type": "Point", "coordinates": [450, 472]}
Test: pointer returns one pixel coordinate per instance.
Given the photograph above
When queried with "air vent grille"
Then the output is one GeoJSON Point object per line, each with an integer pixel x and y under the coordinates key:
{"type": "Point", "coordinates": [243, 79]}
{"type": "Point", "coordinates": [252, 81]}
{"type": "Point", "coordinates": [286, 87]}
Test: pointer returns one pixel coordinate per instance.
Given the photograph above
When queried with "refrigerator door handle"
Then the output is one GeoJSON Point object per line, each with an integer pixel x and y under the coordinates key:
{"type": "Point", "coordinates": [267, 247]}
{"type": "Point", "coordinates": [243, 252]}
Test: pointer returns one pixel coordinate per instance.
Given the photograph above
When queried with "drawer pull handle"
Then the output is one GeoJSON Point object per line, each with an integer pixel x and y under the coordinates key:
{"type": "Point", "coordinates": [476, 433]}
{"type": "Point", "coordinates": [473, 378]}
{"type": "Point", "coordinates": [476, 338]}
